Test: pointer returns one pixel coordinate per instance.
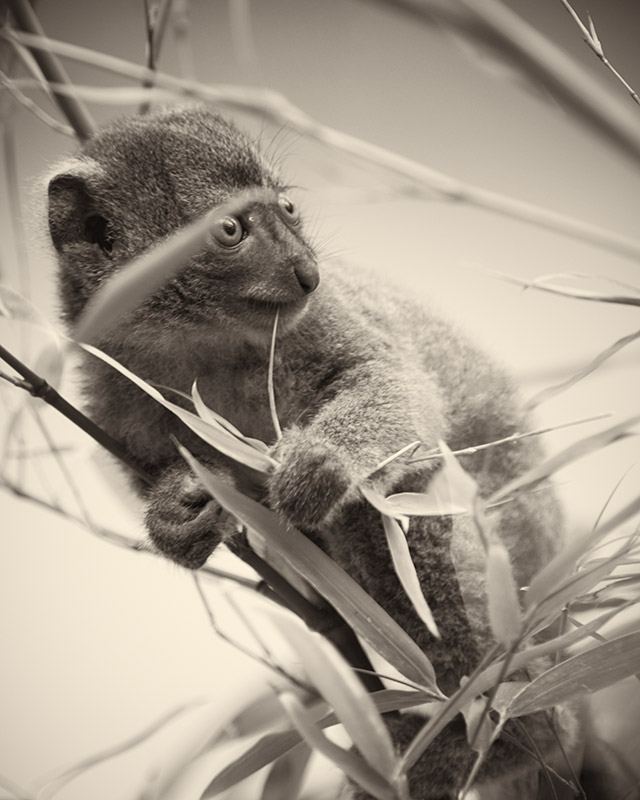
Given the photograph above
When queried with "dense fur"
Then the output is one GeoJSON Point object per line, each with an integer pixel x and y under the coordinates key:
{"type": "Point", "coordinates": [360, 371]}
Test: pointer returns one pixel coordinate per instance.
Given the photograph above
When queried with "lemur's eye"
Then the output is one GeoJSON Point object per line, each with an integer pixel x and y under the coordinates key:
{"type": "Point", "coordinates": [96, 231]}
{"type": "Point", "coordinates": [289, 210]}
{"type": "Point", "coordinates": [228, 231]}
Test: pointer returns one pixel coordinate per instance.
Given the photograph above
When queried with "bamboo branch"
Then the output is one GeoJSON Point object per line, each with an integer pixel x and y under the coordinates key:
{"type": "Point", "coordinates": [38, 387]}
{"type": "Point", "coordinates": [565, 291]}
{"type": "Point", "coordinates": [492, 24]}
{"type": "Point", "coordinates": [323, 619]}
{"type": "Point", "coordinates": [414, 178]}
{"type": "Point", "coordinates": [75, 112]}
{"type": "Point", "coordinates": [592, 40]}
{"type": "Point", "coordinates": [32, 107]}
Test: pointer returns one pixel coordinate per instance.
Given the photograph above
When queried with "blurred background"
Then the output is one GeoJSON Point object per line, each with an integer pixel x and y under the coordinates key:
{"type": "Point", "coordinates": [98, 641]}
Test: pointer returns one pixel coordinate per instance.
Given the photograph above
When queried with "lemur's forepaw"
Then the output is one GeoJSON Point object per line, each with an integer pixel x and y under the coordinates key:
{"type": "Point", "coordinates": [183, 521]}
{"type": "Point", "coordinates": [312, 481]}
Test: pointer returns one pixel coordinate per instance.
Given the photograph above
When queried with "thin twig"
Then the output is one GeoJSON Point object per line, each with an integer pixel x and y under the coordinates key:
{"type": "Point", "coordinates": [413, 446]}
{"type": "Point", "coordinates": [73, 109]}
{"type": "Point", "coordinates": [553, 391]}
{"type": "Point", "coordinates": [514, 438]}
{"type": "Point", "coordinates": [156, 16]}
{"type": "Point", "coordinates": [32, 107]}
{"type": "Point", "coordinates": [38, 387]}
{"type": "Point", "coordinates": [52, 786]}
{"type": "Point", "coordinates": [242, 38]}
{"type": "Point", "coordinates": [270, 388]}
{"type": "Point", "coordinates": [415, 177]}
{"type": "Point", "coordinates": [64, 471]}
{"type": "Point", "coordinates": [16, 791]}
{"type": "Point", "coordinates": [492, 24]}
{"type": "Point", "coordinates": [265, 662]}
{"type": "Point", "coordinates": [595, 45]}
{"type": "Point", "coordinates": [120, 539]}
{"type": "Point", "coordinates": [182, 38]}
{"type": "Point", "coordinates": [578, 294]}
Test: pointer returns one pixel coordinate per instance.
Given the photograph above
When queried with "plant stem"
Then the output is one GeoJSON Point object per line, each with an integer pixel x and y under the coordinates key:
{"type": "Point", "coordinates": [38, 387]}
{"type": "Point", "coordinates": [325, 619]}
{"type": "Point", "coordinates": [73, 109]}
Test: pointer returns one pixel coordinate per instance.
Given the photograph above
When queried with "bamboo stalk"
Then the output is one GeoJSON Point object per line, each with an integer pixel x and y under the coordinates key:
{"type": "Point", "coordinates": [73, 109]}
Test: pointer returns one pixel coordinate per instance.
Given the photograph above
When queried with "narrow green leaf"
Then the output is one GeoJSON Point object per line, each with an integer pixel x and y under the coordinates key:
{"type": "Point", "coordinates": [57, 783]}
{"type": "Point", "coordinates": [286, 775]}
{"type": "Point", "coordinates": [488, 677]}
{"type": "Point", "coordinates": [382, 504]}
{"type": "Point", "coordinates": [14, 306]}
{"type": "Point", "coordinates": [552, 391]}
{"type": "Point", "coordinates": [436, 502]}
{"type": "Point", "coordinates": [214, 433]}
{"type": "Point", "coordinates": [217, 420]}
{"type": "Point", "coordinates": [478, 725]}
{"type": "Point", "coordinates": [359, 610]}
{"type": "Point", "coordinates": [273, 745]}
{"type": "Point", "coordinates": [349, 762]}
{"type": "Point", "coordinates": [576, 584]}
{"type": "Point", "coordinates": [345, 693]}
{"type": "Point", "coordinates": [541, 472]}
{"type": "Point", "coordinates": [582, 674]}
{"type": "Point", "coordinates": [406, 572]}
{"type": "Point", "coordinates": [128, 287]}
{"type": "Point", "coordinates": [461, 486]}
{"type": "Point", "coordinates": [502, 594]}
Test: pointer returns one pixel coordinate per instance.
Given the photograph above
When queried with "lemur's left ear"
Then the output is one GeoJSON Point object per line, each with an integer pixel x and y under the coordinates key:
{"type": "Point", "coordinates": [74, 214]}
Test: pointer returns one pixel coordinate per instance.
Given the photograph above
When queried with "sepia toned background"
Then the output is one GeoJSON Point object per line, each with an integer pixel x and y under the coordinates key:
{"type": "Point", "coordinates": [98, 641]}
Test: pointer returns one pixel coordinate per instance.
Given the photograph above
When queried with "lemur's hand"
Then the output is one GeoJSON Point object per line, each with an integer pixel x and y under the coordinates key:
{"type": "Point", "coordinates": [313, 480]}
{"type": "Point", "coordinates": [183, 520]}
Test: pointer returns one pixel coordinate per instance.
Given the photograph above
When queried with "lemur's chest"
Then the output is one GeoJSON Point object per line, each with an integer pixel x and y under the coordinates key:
{"type": "Point", "coordinates": [240, 392]}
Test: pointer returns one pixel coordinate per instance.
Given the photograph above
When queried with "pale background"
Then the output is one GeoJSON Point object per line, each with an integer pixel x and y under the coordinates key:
{"type": "Point", "coordinates": [98, 641]}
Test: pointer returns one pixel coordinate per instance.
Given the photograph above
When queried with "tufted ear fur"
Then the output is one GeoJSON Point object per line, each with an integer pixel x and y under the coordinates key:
{"type": "Point", "coordinates": [71, 203]}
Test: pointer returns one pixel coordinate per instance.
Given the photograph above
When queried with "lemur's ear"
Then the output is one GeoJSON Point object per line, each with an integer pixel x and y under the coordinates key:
{"type": "Point", "coordinates": [73, 216]}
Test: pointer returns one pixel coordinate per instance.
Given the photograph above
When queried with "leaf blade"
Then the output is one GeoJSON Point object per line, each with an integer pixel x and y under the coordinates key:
{"type": "Point", "coordinates": [340, 687]}
{"type": "Point", "coordinates": [406, 572]}
{"type": "Point", "coordinates": [367, 618]}
{"type": "Point", "coordinates": [581, 674]}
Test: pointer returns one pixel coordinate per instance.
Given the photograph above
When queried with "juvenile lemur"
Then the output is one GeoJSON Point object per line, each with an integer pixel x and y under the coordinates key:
{"type": "Point", "coordinates": [360, 371]}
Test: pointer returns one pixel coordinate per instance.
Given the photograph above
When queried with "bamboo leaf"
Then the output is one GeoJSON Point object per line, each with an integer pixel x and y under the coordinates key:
{"type": "Point", "coordinates": [436, 502]}
{"type": "Point", "coordinates": [502, 594]}
{"type": "Point", "coordinates": [478, 725]}
{"type": "Point", "coordinates": [576, 584]}
{"type": "Point", "coordinates": [359, 610]}
{"type": "Point", "coordinates": [450, 491]}
{"type": "Point", "coordinates": [552, 391]}
{"type": "Point", "coordinates": [286, 775]}
{"type": "Point", "coordinates": [217, 420]}
{"type": "Point", "coordinates": [14, 306]}
{"type": "Point", "coordinates": [273, 745]}
{"type": "Point", "coordinates": [406, 572]}
{"type": "Point", "coordinates": [383, 505]}
{"type": "Point", "coordinates": [541, 472]}
{"type": "Point", "coordinates": [582, 674]}
{"type": "Point", "coordinates": [195, 737]}
{"type": "Point", "coordinates": [348, 761]}
{"type": "Point", "coordinates": [345, 693]}
{"type": "Point", "coordinates": [461, 486]}
{"type": "Point", "coordinates": [213, 433]}
{"type": "Point", "coordinates": [128, 287]}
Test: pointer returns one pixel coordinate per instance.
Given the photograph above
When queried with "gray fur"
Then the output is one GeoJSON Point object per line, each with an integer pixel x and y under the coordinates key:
{"type": "Point", "coordinates": [360, 371]}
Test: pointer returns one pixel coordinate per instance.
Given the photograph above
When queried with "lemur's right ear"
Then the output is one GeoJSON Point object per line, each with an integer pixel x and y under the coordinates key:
{"type": "Point", "coordinates": [72, 207]}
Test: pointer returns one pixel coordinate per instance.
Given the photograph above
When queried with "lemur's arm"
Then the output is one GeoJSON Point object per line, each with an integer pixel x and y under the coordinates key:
{"type": "Point", "coordinates": [375, 408]}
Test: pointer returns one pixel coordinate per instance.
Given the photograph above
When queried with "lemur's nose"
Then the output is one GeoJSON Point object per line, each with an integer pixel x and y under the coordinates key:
{"type": "Point", "coordinates": [307, 275]}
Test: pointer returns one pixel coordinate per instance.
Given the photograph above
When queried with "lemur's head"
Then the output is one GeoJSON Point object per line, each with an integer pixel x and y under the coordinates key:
{"type": "Point", "coordinates": [140, 179]}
